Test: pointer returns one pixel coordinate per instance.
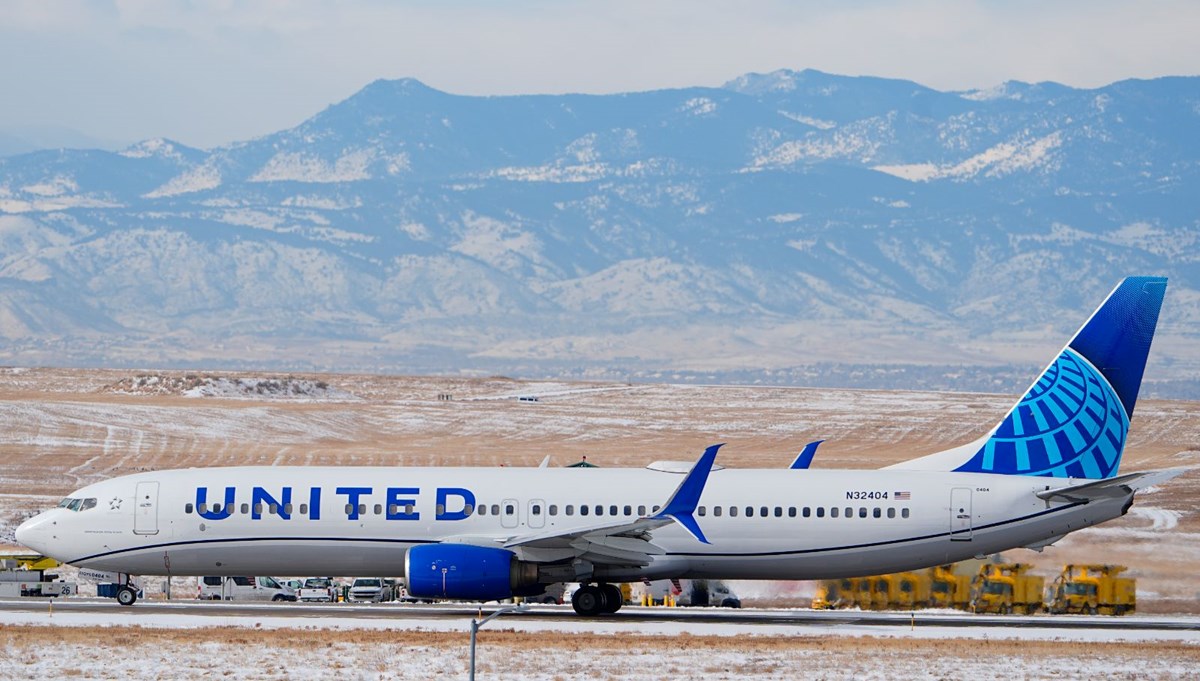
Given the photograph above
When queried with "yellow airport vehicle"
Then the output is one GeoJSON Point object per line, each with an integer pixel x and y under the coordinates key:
{"type": "Point", "coordinates": [1005, 588]}
{"type": "Point", "coordinates": [1092, 590]}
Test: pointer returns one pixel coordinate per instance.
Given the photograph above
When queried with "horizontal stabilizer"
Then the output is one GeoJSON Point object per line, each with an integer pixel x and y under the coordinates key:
{"type": "Point", "coordinates": [1111, 488]}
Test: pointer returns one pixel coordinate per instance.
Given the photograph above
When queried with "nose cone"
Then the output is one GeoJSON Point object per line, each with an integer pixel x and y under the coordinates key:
{"type": "Point", "coordinates": [34, 533]}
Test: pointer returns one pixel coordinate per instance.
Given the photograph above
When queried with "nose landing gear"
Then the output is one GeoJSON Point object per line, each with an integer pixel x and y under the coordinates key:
{"type": "Point", "coordinates": [590, 600]}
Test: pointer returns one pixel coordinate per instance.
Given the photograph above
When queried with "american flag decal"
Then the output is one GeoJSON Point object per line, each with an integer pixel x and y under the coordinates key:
{"type": "Point", "coordinates": [902, 496]}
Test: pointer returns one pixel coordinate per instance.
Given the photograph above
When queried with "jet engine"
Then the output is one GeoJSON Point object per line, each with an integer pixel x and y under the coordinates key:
{"type": "Point", "coordinates": [469, 573]}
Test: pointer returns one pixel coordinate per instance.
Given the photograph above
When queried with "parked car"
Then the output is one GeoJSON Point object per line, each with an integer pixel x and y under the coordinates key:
{"type": "Point", "coordinates": [319, 589]}
{"type": "Point", "coordinates": [370, 590]}
{"type": "Point", "coordinates": [243, 588]}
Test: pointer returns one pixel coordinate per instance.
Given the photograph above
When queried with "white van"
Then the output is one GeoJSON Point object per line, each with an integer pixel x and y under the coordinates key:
{"type": "Point", "coordinates": [244, 589]}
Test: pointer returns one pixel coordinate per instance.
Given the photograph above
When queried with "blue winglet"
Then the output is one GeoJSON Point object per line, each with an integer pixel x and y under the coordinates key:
{"type": "Point", "coordinates": [804, 460]}
{"type": "Point", "coordinates": [683, 502]}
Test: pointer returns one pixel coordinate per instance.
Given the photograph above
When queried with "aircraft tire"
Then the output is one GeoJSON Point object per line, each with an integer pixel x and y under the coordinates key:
{"type": "Point", "coordinates": [588, 601]}
{"type": "Point", "coordinates": [612, 598]}
{"type": "Point", "coordinates": [126, 596]}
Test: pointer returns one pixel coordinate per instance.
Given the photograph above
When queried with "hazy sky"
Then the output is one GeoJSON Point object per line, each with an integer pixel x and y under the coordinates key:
{"type": "Point", "coordinates": [211, 72]}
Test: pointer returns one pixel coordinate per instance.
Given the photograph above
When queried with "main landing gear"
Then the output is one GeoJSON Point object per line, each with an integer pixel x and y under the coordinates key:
{"type": "Point", "coordinates": [597, 599]}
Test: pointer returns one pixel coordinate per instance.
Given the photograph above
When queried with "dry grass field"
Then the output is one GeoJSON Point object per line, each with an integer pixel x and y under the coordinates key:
{"type": "Point", "coordinates": [226, 652]}
{"type": "Point", "coordinates": [64, 428]}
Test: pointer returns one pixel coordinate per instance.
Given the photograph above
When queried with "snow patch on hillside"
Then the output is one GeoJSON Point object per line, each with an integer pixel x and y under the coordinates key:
{"type": "Point", "coordinates": [201, 178]}
{"type": "Point", "coordinates": [1002, 159]}
{"type": "Point", "coordinates": [351, 166]}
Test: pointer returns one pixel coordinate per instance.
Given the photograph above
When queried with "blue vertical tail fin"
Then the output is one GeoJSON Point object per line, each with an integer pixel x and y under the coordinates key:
{"type": "Point", "coordinates": [1073, 421]}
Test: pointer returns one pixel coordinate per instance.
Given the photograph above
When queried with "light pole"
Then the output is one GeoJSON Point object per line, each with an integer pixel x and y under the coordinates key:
{"type": "Point", "coordinates": [477, 623]}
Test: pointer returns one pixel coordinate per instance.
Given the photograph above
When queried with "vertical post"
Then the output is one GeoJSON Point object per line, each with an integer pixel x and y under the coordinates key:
{"type": "Point", "coordinates": [474, 631]}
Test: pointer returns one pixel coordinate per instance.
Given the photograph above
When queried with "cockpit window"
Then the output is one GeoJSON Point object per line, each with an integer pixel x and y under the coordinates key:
{"type": "Point", "coordinates": [77, 504]}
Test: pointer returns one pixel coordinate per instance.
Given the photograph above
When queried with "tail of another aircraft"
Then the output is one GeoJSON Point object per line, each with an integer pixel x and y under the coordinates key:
{"type": "Point", "coordinates": [1073, 421]}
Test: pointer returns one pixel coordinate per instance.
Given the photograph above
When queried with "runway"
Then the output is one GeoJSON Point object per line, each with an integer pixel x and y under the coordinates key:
{"type": "Point", "coordinates": [374, 615]}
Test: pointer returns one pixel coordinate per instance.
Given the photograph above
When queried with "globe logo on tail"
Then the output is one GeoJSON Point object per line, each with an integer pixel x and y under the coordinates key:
{"type": "Point", "coordinates": [1069, 424]}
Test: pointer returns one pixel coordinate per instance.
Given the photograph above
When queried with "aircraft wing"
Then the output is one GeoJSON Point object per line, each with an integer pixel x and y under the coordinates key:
{"type": "Point", "coordinates": [1118, 486]}
{"type": "Point", "coordinates": [627, 542]}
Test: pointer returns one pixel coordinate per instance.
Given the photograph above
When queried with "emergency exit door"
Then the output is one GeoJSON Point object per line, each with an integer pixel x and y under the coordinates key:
{"type": "Point", "coordinates": [145, 508]}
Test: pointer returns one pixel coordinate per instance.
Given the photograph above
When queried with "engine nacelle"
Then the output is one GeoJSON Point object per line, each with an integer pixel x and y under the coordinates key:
{"type": "Point", "coordinates": [466, 572]}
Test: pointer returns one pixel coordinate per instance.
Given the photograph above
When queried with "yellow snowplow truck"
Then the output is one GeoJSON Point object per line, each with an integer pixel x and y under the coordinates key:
{"type": "Point", "coordinates": [948, 589]}
{"type": "Point", "coordinates": [1092, 590]}
{"type": "Point", "coordinates": [835, 594]}
{"type": "Point", "coordinates": [1005, 588]}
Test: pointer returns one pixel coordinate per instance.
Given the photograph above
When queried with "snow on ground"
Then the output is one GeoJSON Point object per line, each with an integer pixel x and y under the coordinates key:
{"type": "Point", "coordinates": [185, 646]}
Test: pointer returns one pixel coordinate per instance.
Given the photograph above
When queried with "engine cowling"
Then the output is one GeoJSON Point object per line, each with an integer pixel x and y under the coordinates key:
{"type": "Point", "coordinates": [466, 572]}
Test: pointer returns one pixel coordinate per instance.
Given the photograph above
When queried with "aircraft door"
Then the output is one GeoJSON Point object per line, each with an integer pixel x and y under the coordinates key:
{"type": "Point", "coordinates": [537, 513]}
{"type": "Point", "coordinates": [960, 514]}
{"type": "Point", "coordinates": [145, 508]}
{"type": "Point", "coordinates": [508, 513]}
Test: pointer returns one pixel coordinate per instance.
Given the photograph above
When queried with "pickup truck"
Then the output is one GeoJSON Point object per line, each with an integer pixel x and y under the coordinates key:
{"type": "Point", "coordinates": [371, 590]}
{"type": "Point", "coordinates": [318, 589]}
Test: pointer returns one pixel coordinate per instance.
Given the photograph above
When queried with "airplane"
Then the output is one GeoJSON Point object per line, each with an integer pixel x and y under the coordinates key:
{"type": "Point", "coordinates": [1049, 467]}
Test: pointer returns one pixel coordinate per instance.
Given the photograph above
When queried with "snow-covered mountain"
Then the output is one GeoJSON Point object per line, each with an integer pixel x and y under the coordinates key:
{"type": "Point", "coordinates": [788, 227]}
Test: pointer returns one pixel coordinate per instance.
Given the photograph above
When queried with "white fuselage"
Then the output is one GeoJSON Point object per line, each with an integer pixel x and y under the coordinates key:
{"type": "Point", "coordinates": [771, 523]}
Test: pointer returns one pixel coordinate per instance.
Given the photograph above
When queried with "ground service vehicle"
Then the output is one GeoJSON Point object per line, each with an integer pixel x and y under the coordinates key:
{"type": "Point", "coordinates": [948, 589]}
{"type": "Point", "coordinates": [218, 588]}
{"type": "Point", "coordinates": [1093, 589]}
{"type": "Point", "coordinates": [1005, 588]}
{"type": "Point", "coordinates": [834, 594]}
{"type": "Point", "coordinates": [901, 591]}
{"type": "Point", "coordinates": [318, 590]}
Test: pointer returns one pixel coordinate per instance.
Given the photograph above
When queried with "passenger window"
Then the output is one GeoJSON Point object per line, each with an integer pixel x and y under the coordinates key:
{"type": "Point", "coordinates": [904, 513]}
{"type": "Point", "coordinates": [612, 510]}
{"type": "Point", "coordinates": [791, 511]}
{"type": "Point", "coordinates": [468, 509]}
{"type": "Point", "coordinates": [273, 508]}
{"type": "Point", "coordinates": [849, 512]}
{"type": "Point", "coordinates": [216, 508]}
{"type": "Point", "coordinates": [187, 508]}
{"type": "Point", "coordinates": [570, 509]}
{"type": "Point", "coordinates": [833, 512]}
{"type": "Point", "coordinates": [362, 509]}
{"type": "Point", "coordinates": [553, 509]}
{"type": "Point", "coordinates": [536, 510]}
{"type": "Point", "coordinates": [733, 511]}
{"type": "Point", "coordinates": [891, 513]}
{"type": "Point", "coordinates": [349, 509]}
{"type": "Point", "coordinates": [495, 509]}
{"type": "Point", "coordinates": [806, 512]}
{"type": "Point", "coordinates": [203, 508]}
{"type": "Point", "coordinates": [483, 509]}
{"type": "Point", "coordinates": [821, 511]}
{"type": "Point", "coordinates": [303, 509]}
{"type": "Point", "coordinates": [440, 509]}
{"type": "Point", "coordinates": [779, 512]}
{"type": "Point", "coordinates": [583, 509]}
{"type": "Point", "coordinates": [287, 509]}
{"type": "Point", "coordinates": [862, 511]}
{"type": "Point", "coordinates": [245, 509]}
{"type": "Point", "coordinates": [701, 511]}
{"type": "Point", "coordinates": [409, 508]}
{"type": "Point", "coordinates": [509, 509]}
{"type": "Point", "coordinates": [258, 509]}
{"type": "Point", "coordinates": [749, 511]}
{"type": "Point", "coordinates": [877, 512]}
{"type": "Point", "coordinates": [655, 509]}
{"type": "Point", "coordinates": [717, 511]}
{"type": "Point", "coordinates": [599, 509]}
{"type": "Point", "coordinates": [628, 510]}
{"type": "Point", "coordinates": [641, 510]}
